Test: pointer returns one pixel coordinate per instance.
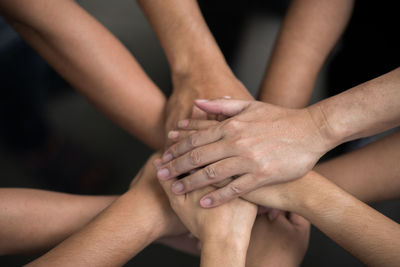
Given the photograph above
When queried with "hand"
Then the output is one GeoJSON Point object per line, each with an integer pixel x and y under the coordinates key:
{"type": "Point", "coordinates": [156, 199]}
{"type": "Point", "coordinates": [263, 144]}
{"type": "Point", "coordinates": [200, 85]}
{"type": "Point", "coordinates": [233, 220]}
{"type": "Point", "coordinates": [282, 242]}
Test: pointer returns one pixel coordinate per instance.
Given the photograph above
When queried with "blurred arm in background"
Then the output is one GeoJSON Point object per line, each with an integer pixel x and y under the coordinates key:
{"type": "Point", "coordinates": [198, 67]}
{"type": "Point", "coordinates": [309, 32]}
{"type": "Point", "coordinates": [93, 61]}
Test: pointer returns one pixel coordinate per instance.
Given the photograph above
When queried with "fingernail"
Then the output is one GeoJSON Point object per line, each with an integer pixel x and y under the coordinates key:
{"type": "Point", "coordinates": [157, 163]}
{"type": "Point", "coordinates": [205, 202]}
{"type": "Point", "coordinates": [173, 134]}
{"type": "Point", "coordinates": [183, 123]}
{"type": "Point", "coordinates": [163, 174]}
{"type": "Point", "coordinates": [227, 97]}
{"type": "Point", "coordinates": [167, 157]}
{"type": "Point", "coordinates": [177, 187]}
{"type": "Point", "coordinates": [201, 100]}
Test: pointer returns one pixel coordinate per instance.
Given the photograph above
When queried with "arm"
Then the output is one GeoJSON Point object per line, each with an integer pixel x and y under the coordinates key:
{"type": "Point", "coordinates": [364, 232]}
{"type": "Point", "coordinates": [309, 32]}
{"type": "Point", "coordinates": [41, 219]}
{"type": "Point", "coordinates": [133, 221]}
{"type": "Point", "coordinates": [224, 231]}
{"type": "Point", "coordinates": [89, 57]}
{"type": "Point", "coordinates": [267, 144]}
{"type": "Point", "coordinates": [197, 65]}
{"type": "Point", "coordinates": [369, 173]}
{"type": "Point", "coordinates": [281, 242]}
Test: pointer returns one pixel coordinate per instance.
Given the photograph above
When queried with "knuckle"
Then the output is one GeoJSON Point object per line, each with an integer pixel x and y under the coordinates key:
{"type": "Point", "coordinates": [192, 140]}
{"type": "Point", "coordinates": [235, 190]}
{"type": "Point", "coordinates": [194, 157]}
{"type": "Point", "coordinates": [210, 172]}
{"type": "Point", "coordinates": [233, 124]}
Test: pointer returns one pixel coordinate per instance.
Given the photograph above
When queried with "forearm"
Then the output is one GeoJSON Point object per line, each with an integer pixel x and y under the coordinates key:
{"type": "Point", "coordinates": [371, 173]}
{"type": "Point", "coordinates": [36, 220]}
{"type": "Point", "coordinates": [309, 32]}
{"type": "Point", "coordinates": [223, 252]}
{"type": "Point", "coordinates": [116, 235]}
{"type": "Point", "coordinates": [184, 35]}
{"type": "Point", "coordinates": [364, 232]}
{"type": "Point", "coordinates": [92, 60]}
{"type": "Point", "coordinates": [361, 111]}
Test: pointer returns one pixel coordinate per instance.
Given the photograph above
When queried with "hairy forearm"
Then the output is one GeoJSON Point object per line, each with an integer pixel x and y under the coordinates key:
{"type": "Point", "coordinates": [364, 232]}
{"type": "Point", "coordinates": [113, 237]}
{"type": "Point", "coordinates": [310, 30]}
{"type": "Point", "coordinates": [36, 220]}
{"type": "Point", "coordinates": [361, 111]}
{"type": "Point", "coordinates": [92, 60]}
{"type": "Point", "coordinates": [371, 173]}
{"type": "Point", "coordinates": [184, 35]}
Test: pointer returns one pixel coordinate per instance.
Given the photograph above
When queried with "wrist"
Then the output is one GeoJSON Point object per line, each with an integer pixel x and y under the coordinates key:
{"type": "Point", "coordinates": [153, 218]}
{"type": "Point", "coordinates": [230, 252]}
{"type": "Point", "coordinates": [330, 135]}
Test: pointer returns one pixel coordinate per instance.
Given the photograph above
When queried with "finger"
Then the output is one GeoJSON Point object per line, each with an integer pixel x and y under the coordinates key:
{"type": "Point", "coordinates": [211, 174]}
{"type": "Point", "coordinates": [273, 214]}
{"type": "Point", "coordinates": [196, 158]}
{"type": "Point", "coordinates": [177, 136]}
{"type": "Point", "coordinates": [198, 114]}
{"type": "Point", "coordinates": [297, 219]}
{"type": "Point", "coordinates": [225, 107]}
{"type": "Point", "coordinates": [166, 185]}
{"type": "Point", "coordinates": [236, 188]}
{"type": "Point", "coordinates": [193, 124]}
{"type": "Point", "coordinates": [197, 139]}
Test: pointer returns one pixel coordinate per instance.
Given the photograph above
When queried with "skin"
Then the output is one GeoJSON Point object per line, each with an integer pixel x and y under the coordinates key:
{"type": "Point", "coordinates": [224, 231]}
{"type": "Point", "coordinates": [326, 206]}
{"type": "Point", "coordinates": [262, 135]}
{"type": "Point", "coordinates": [119, 240]}
{"type": "Point", "coordinates": [198, 71]}
{"type": "Point", "coordinates": [98, 66]}
{"type": "Point", "coordinates": [52, 217]}
{"type": "Point", "coordinates": [281, 242]}
{"type": "Point", "coordinates": [309, 32]}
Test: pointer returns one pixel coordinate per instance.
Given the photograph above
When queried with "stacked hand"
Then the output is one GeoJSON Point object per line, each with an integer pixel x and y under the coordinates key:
{"type": "Point", "coordinates": [261, 144]}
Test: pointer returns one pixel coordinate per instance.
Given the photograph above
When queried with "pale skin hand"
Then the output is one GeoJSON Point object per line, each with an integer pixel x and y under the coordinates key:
{"type": "Point", "coordinates": [224, 231]}
{"type": "Point", "coordinates": [309, 32]}
{"type": "Point", "coordinates": [371, 174]}
{"type": "Point", "coordinates": [236, 147]}
{"type": "Point", "coordinates": [281, 243]}
{"type": "Point", "coordinates": [266, 144]}
{"type": "Point", "coordinates": [98, 65]}
{"type": "Point", "coordinates": [133, 221]}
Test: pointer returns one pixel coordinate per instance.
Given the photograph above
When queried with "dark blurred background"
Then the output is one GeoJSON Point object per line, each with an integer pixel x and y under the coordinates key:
{"type": "Point", "coordinates": [52, 138]}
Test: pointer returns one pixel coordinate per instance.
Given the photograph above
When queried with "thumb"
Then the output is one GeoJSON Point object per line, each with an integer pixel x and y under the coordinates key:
{"type": "Point", "coordinates": [198, 114]}
{"type": "Point", "coordinates": [226, 107]}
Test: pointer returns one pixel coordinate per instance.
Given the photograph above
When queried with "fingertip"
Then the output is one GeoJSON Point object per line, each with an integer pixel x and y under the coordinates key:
{"type": "Point", "coordinates": [206, 202]}
{"type": "Point", "coordinates": [163, 174]}
{"type": "Point", "coordinates": [167, 157]}
{"type": "Point", "coordinates": [157, 163]}
{"type": "Point", "coordinates": [183, 123]}
{"type": "Point", "coordinates": [173, 135]}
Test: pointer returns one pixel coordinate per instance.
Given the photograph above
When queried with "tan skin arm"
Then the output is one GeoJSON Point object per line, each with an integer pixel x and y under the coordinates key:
{"type": "Point", "coordinates": [309, 32]}
{"type": "Point", "coordinates": [92, 60]}
{"type": "Point", "coordinates": [129, 224]}
{"type": "Point", "coordinates": [35, 220]}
